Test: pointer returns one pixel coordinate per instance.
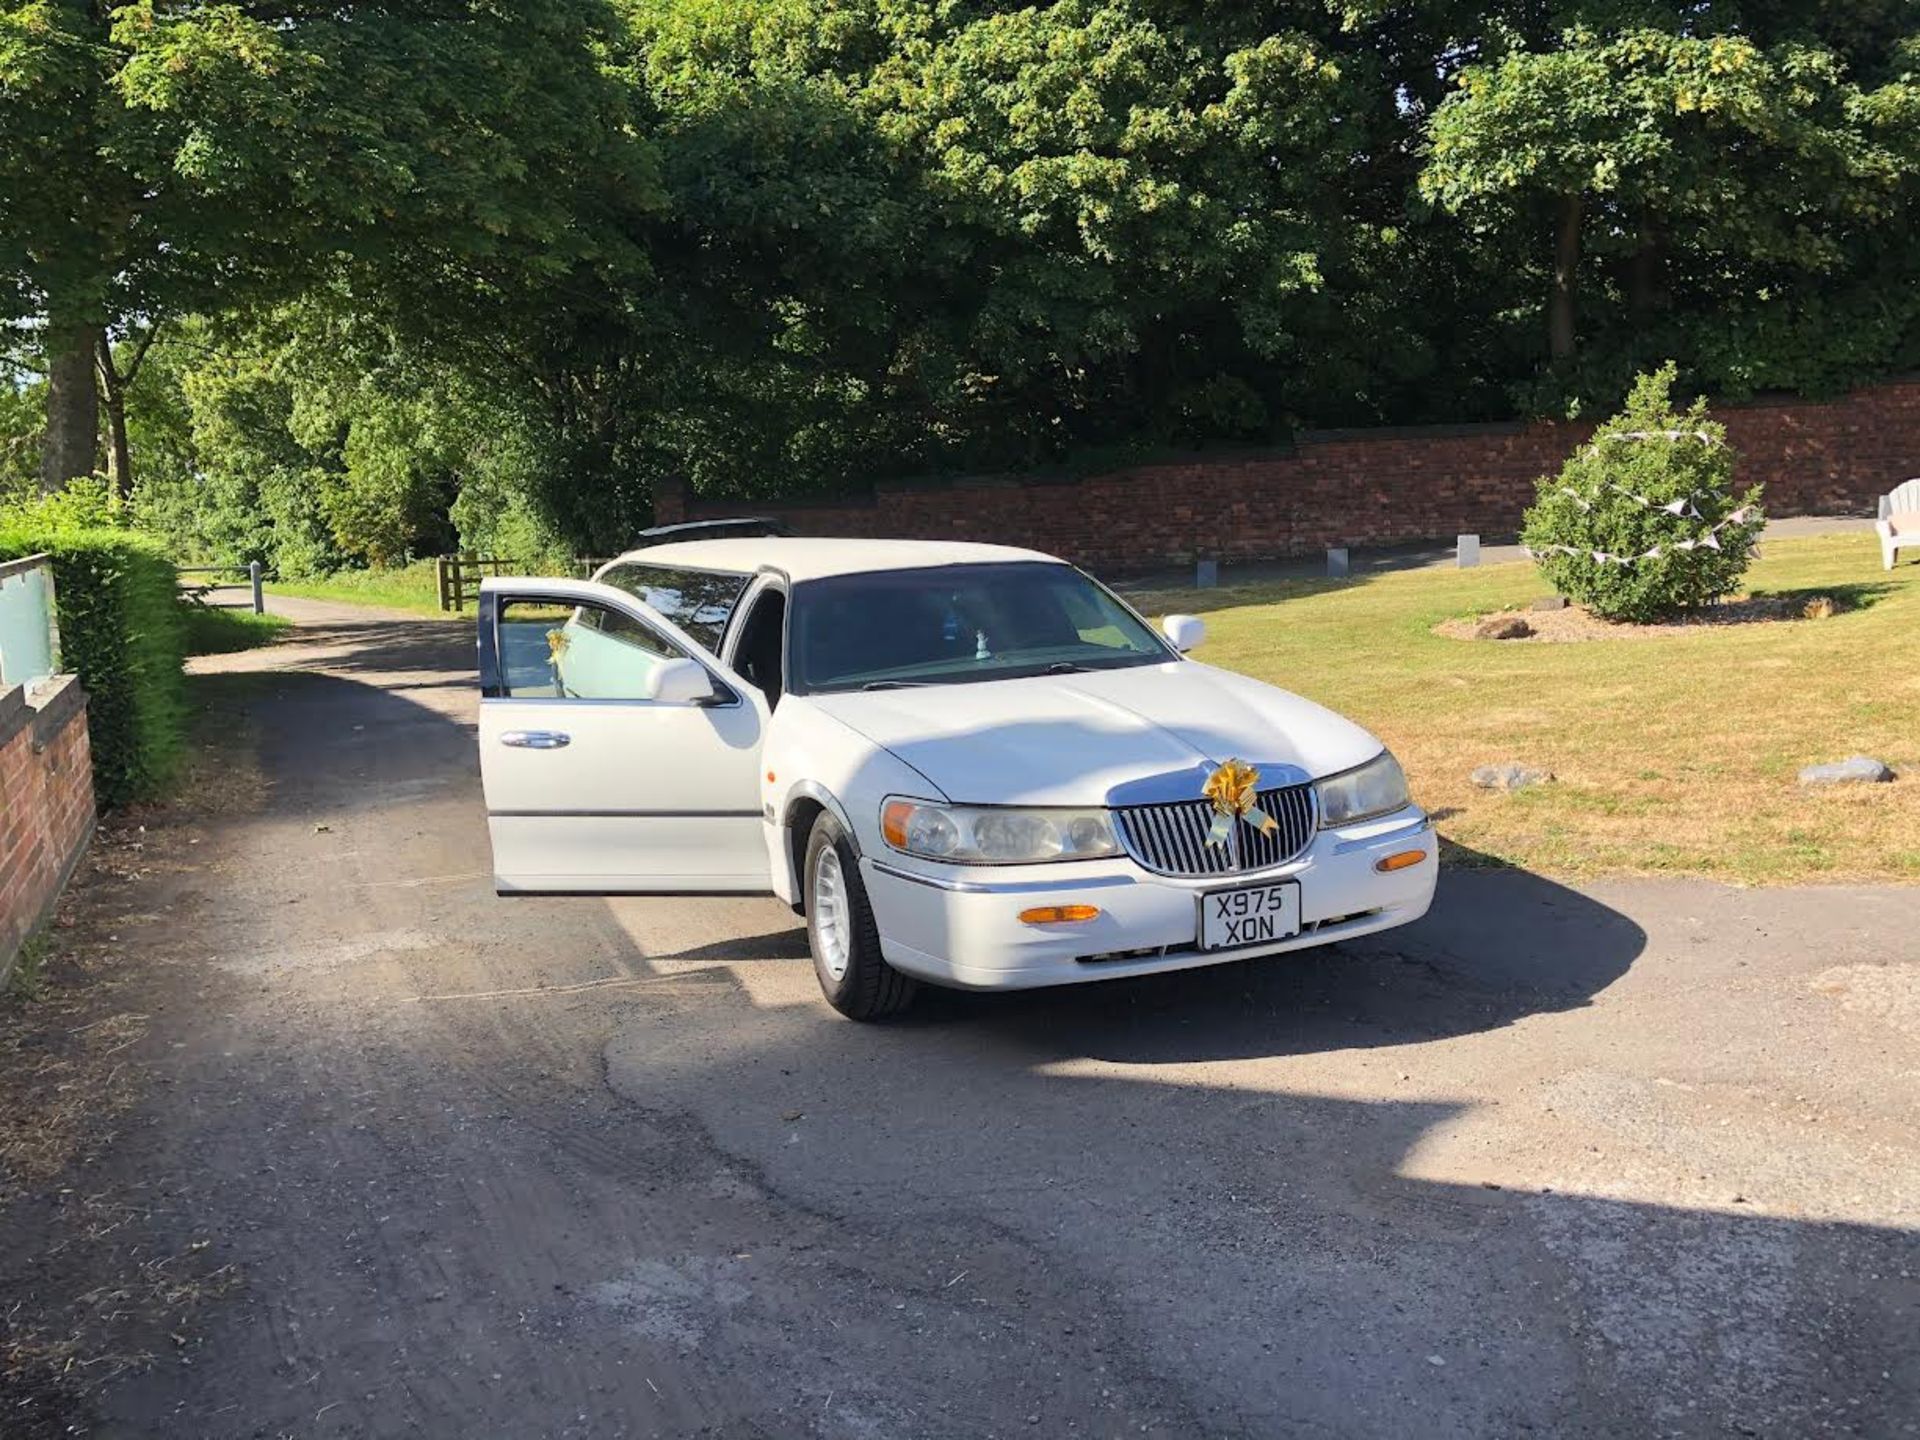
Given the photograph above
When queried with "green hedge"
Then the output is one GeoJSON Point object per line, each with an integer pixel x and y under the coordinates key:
{"type": "Point", "coordinates": [121, 632]}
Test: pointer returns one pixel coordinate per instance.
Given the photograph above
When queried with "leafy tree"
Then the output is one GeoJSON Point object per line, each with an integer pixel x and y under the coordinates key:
{"type": "Point", "coordinates": [158, 160]}
{"type": "Point", "coordinates": [1742, 158]}
{"type": "Point", "coordinates": [486, 271]}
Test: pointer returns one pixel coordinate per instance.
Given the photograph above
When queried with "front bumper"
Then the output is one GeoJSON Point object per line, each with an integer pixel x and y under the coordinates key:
{"type": "Point", "coordinates": [959, 925]}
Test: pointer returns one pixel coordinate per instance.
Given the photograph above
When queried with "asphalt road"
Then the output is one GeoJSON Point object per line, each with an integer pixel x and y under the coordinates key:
{"type": "Point", "coordinates": [1636, 1160]}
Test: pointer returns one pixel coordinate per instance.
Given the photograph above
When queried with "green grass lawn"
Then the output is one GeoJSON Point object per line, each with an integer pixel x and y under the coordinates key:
{"type": "Point", "coordinates": [218, 631]}
{"type": "Point", "coordinates": [413, 588]}
{"type": "Point", "coordinates": [1673, 755]}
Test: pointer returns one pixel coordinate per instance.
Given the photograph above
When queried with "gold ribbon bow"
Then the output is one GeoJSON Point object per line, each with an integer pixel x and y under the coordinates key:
{"type": "Point", "coordinates": [557, 641]}
{"type": "Point", "coordinates": [1233, 789]}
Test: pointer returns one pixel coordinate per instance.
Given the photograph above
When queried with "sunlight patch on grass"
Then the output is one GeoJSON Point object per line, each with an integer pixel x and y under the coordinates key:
{"type": "Point", "coordinates": [413, 588]}
{"type": "Point", "coordinates": [217, 631]}
{"type": "Point", "coordinates": [1676, 755]}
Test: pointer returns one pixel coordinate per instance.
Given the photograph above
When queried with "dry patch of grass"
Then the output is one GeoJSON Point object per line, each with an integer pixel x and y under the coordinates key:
{"type": "Point", "coordinates": [1677, 758]}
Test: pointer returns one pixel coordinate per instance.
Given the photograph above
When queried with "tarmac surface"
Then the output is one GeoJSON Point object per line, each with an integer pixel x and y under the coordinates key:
{"type": "Point", "coordinates": [1631, 1159]}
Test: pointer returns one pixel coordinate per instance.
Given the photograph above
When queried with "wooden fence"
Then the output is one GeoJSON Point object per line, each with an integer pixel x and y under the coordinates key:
{"type": "Point", "coordinates": [457, 577]}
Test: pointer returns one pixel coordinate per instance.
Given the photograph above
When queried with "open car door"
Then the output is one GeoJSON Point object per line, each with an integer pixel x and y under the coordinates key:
{"type": "Point", "coordinates": [616, 754]}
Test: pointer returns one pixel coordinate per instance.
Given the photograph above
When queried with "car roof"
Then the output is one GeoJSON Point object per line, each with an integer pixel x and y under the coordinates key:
{"type": "Point", "coordinates": [809, 558]}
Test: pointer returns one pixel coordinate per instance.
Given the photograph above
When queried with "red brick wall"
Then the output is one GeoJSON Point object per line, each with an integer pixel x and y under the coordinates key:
{"type": "Point", "coordinates": [46, 803]}
{"type": "Point", "coordinates": [1359, 487]}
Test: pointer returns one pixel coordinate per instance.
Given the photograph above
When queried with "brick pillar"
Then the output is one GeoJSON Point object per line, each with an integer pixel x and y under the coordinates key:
{"type": "Point", "coordinates": [46, 803]}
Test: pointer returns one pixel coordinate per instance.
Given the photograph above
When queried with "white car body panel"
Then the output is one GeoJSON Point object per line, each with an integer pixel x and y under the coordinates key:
{"type": "Point", "coordinates": [1077, 739]}
{"type": "Point", "coordinates": [643, 796]}
{"type": "Point", "coordinates": [653, 797]}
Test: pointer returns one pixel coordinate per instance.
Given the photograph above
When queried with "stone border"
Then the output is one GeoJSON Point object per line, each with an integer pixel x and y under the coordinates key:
{"type": "Point", "coordinates": [15, 713]}
{"type": "Point", "coordinates": [54, 702]}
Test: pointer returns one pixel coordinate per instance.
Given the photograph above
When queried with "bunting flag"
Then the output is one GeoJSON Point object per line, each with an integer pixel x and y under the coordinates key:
{"type": "Point", "coordinates": [1704, 437]}
{"type": "Point", "coordinates": [1687, 506]}
{"type": "Point", "coordinates": [1709, 541]}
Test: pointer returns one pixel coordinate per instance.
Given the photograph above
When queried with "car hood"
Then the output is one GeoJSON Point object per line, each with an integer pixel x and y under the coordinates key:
{"type": "Point", "coordinates": [1139, 735]}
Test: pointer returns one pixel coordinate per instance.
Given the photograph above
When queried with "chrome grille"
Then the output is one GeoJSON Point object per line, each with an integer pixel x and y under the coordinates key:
{"type": "Point", "coordinates": [1172, 839]}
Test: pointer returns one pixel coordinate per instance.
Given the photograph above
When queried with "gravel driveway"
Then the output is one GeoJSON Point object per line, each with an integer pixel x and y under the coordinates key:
{"type": "Point", "coordinates": [1638, 1159]}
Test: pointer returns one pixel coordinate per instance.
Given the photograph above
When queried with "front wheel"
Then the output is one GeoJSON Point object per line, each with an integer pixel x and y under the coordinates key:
{"type": "Point", "coordinates": [845, 942]}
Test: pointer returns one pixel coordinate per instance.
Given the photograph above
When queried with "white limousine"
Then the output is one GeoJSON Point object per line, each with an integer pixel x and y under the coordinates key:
{"type": "Point", "coordinates": [967, 765]}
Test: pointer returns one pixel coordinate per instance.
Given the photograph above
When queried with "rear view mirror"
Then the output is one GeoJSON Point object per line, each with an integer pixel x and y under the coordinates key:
{"type": "Point", "coordinates": [1184, 632]}
{"type": "Point", "coordinates": [681, 682]}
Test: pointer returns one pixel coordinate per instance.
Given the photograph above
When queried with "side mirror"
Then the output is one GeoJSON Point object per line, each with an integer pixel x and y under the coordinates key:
{"type": "Point", "coordinates": [681, 682]}
{"type": "Point", "coordinates": [1184, 632]}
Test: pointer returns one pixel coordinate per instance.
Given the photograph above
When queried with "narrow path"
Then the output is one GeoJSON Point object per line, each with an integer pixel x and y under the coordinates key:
{"type": "Point", "coordinates": [1638, 1159]}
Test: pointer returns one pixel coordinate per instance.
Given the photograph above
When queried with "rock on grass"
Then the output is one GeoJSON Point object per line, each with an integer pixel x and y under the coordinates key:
{"type": "Point", "coordinates": [1503, 627]}
{"type": "Point", "coordinates": [1509, 775]}
{"type": "Point", "coordinates": [1855, 770]}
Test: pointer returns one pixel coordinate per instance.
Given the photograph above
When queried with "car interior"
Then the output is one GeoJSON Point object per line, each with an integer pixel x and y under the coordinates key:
{"type": "Point", "coordinates": [757, 655]}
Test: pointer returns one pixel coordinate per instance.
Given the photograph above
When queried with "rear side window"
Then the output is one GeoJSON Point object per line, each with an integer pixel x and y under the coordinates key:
{"type": "Point", "coordinates": [700, 602]}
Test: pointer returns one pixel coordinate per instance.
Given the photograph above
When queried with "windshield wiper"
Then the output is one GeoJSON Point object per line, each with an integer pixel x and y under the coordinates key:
{"type": "Point", "coordinates": [893, 684]}
{"type": "Point", "coordinates": [1067, 667]}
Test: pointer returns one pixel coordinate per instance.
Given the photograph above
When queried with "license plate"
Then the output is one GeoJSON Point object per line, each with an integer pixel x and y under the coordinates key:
{"type": "Point", "coordinates": [1250, 915]}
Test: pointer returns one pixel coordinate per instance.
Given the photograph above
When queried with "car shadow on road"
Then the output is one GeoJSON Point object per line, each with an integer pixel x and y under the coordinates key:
{"type": "Point", "coordinates": [1498, 946]}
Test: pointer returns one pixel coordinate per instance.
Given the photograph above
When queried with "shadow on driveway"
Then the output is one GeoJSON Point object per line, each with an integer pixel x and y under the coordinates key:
{"type": "Point", "coordinates": [555, 1167]}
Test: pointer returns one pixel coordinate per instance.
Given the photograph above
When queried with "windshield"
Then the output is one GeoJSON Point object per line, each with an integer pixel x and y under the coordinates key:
{"type": "Point", "coordinates": [956, 623]}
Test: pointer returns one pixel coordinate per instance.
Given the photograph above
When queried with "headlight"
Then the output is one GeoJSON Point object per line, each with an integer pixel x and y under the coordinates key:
{"type": "Point", "coordinates": [990, 835]}
{"type": "Point", "coordinates": [1378, 787]}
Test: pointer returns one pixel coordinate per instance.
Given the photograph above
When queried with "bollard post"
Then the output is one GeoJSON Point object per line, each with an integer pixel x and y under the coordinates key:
{"type": "Point", "coordinates": [1467, 551]}
{"type": "Point", "coordinates": [1339, 562]}
{"type": "Point", "coordinates": [259, 598]}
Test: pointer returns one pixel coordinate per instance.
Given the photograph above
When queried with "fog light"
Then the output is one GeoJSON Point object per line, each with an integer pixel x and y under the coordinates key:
{"type": "Point", "coordinates": [1060, 915]}
{"type": "Point", "coordinates": [1400, 861]}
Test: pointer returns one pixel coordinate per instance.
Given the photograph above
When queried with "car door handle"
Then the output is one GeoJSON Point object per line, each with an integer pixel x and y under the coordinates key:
{"type": "Point", "coordinates": [536, 739]}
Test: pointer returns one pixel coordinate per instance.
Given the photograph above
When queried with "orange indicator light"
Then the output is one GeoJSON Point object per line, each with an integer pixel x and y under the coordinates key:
{"type": "Point", "coordinates": [1400, 861]}
{"type": "Point", "coordinates": [1060, 915]}
{"type": "Point", "coordinates": [893, 823]}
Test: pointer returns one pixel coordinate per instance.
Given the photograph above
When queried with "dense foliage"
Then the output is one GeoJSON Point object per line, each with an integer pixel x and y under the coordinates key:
{"type": "Point", "coordinates": [1642, 523]}
{"type": "Point", "coordinates": [121, 631]}
{"type": "Point", "coordinates": [485, 271]}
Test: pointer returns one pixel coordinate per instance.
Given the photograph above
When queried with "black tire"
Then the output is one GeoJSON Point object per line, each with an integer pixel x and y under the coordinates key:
{"type": "Point", "coordinates": [870, 989]}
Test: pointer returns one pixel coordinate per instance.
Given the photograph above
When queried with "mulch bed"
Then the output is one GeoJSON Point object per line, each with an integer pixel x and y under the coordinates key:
{"type": "Point", "coordinates": [1560, 627]}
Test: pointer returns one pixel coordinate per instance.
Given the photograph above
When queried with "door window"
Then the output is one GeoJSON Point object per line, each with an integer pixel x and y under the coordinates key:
{"type": "Point", "coordinates": [700, 602]}
{"type": "Point", "coordinates": [553, 651]}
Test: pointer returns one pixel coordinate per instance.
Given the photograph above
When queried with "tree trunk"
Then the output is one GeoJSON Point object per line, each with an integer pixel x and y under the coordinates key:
{"type": "Point", "coordinates": [113, 396]}
{"type": "Point", "coordinates": [1643, 278]}
{"type": "Point", "coordinates": [73, 406]}
{"type": "Point", "coordinates": [1566, 262]}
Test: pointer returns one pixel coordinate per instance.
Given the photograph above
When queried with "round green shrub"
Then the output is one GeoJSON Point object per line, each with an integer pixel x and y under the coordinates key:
{"type": "Point", "coordinates": [1642, 522]}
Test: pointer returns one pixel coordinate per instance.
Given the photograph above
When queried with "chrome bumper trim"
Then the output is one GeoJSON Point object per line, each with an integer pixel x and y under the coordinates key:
{"type": "Point", "coordinates": [1027, 887]}
{"type": "Point", "coordinates": [1386, 837]}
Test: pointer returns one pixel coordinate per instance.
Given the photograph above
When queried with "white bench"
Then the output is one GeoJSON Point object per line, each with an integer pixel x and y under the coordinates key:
{"type": "Point", "coordinates": [1899, 522]}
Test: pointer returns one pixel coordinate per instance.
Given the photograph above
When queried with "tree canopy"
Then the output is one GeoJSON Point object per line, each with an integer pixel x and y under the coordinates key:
{"type": "Point", "coordinates": [486, 271]}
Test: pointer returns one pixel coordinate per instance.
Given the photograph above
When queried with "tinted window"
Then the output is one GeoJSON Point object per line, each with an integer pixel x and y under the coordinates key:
{"type": "Point", "coordinates": [698, 601]}
{"type": "Point", "coordinates": [955, 623]}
